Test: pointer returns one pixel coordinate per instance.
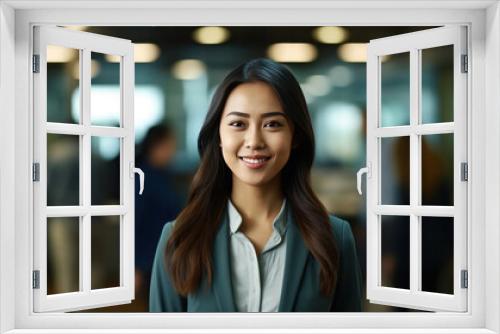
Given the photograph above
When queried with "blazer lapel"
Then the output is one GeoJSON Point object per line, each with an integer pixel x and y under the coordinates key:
{"type": "Point", "coordinates": [222, 287]}
{"type": "Point", "coordinates": [296, 257]}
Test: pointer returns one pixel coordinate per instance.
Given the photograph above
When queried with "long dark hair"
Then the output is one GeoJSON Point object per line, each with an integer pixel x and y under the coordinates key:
{"type": "Point", "coordinates": [189, 248]}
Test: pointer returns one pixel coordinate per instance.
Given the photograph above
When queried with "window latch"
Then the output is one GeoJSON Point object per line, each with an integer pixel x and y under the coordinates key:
{"type": "Point", "coordinates": [365, 170]}
{"type": "Point", "coordinates": [133, 171]}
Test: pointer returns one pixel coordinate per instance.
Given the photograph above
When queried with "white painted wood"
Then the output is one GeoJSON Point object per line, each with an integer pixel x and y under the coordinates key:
{"type": "Point", "coordinates": [414, 43]}
{"type": "Point", "coordinates": [406, 210]}
{"type": "Point", "coordinates": [7, 168]}
{"type": "Point", "coordinates": [483, 43]}
{"type": "Point", "coordinates": [86, 297]}
{"type": "Point", "coordinates": [418, 129]}
{"type": "Point", "coordinates": [95, 210]}
{"type": "Point", "coordinates": [79, 129]}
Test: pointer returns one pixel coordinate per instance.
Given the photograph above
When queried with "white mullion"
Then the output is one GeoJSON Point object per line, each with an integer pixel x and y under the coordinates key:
{"type": "Point", "coordinates": [419, 210]}
{"type": "Point", "coordinates": [93, 210]}
{"type": "Point", "coordinates": [85, 238]}
{"type": "Point", "coordinates": [414, 166]}
{"type": "Point", "coordinates": [419, 129]}
{"type": "Point", "coordinates": [79, 129]}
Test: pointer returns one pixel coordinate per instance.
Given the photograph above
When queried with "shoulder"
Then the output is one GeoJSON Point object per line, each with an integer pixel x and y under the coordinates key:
{"type": "Point", "coordinates": [166, 231]}
{"type": "Point", "coordinates": [341, 230]}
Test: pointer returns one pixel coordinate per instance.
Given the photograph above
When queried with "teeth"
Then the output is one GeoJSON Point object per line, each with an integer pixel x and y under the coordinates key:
{"type": "Point", "coordinates": [254, 161]}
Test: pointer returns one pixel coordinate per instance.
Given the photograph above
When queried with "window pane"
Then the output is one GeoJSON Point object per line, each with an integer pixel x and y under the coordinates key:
{"type": "Point", "coordinates": [105, 252]}
{"type": "Point", "coordinates": [63, 177]}
{"type": "Point", "coordinates": [395, 93]}
{"type": "Point", "coordinates": [105, 171]}
{"type": "Point", "coordinates": [395, 251]}
{"type": "Point", "coordinates": [63, 252]}
{"type": "Point", "coordinates": [105, 99]}
{"type": "Point", "coordinates": [437, 84]}
{"type": "Point", "coordinates": [62, 79]}
{"type": "Point", "coordinates": [437, 254]}
{"type": "Point", "coordinates": [437, 169]}
{"type": "Point", "coordinates": [395, 171]}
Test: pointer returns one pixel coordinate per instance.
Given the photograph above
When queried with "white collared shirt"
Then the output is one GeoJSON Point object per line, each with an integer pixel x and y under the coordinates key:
{"type": "Point", "coordinates": [257, 279]}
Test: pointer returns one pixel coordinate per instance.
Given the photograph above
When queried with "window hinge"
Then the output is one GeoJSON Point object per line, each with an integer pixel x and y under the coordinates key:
{"type": "Point", "coordinates": [36, 63]}
{"type": "Point", "coordinates": [36, 171]}
{"type": "Point", "coordinates": [36, 279]}
{"type": "Point", "coordinates": [465, 279]}
{"type": "Point", "coordinates": [464, 171]}
{"type": "Point", "coordinates": [465, 65]}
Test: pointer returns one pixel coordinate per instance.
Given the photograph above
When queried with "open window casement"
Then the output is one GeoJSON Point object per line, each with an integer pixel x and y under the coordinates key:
{"type": "Point", "coordinates": [68, 218]}
{"type": "Point", "coordinates": [402, 134]}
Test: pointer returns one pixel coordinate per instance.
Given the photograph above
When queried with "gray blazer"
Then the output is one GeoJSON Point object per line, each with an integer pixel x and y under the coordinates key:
{"type": "Point", "coordinates": [300, 291]}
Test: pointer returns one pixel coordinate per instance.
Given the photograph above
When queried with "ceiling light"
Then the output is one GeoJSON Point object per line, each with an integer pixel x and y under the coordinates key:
{"type": "Point", "coordinates": [143, 53]}
{"type": "Point", "coordinates": [211, 35]}
{"type": "Point", "coordinates": [292, 52]}
{"type": "Point", "coordinates": [188, 69]}
{"type": "Point", "coordinates": [60, 54]}
{"type": "Point", "coordinates": [78, 28]}
{"type": "Point", "coordinates": [353, 52]}
{"type": "Point", "coordinates": [330, 35]}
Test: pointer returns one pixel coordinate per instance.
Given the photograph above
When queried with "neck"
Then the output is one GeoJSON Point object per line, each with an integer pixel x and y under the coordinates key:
{"type": "Point", "coordinates": [257, 204]}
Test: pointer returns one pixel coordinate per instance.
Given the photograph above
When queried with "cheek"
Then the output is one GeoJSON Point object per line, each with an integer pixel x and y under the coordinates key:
{"type": "Point", "coordinates": [229, 145]}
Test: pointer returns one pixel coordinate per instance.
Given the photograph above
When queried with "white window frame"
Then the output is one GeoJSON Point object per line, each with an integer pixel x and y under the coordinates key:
{"type": "Point", "coordinates": [16, 213]}
{"type": "Point", "coordinates": [413, 44]}
{"type": "Point", "coordinates": [86, 297]}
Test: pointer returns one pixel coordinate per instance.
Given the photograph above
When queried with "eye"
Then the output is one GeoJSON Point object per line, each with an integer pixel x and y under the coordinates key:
{"type": "Point", "coordinates": [274, 124]}
{"type": "Point", "coordinates": [237, 124]}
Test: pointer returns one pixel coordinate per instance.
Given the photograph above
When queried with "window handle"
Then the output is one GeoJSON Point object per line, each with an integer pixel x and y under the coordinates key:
{"type": "Point", "coordinates": [134, 170]}
{"type": "Point", "coordinates": [365, 170]}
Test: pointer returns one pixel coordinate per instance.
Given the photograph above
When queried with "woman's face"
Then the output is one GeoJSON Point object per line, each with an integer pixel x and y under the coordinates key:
{"type": "Point", "coordinates": [255, 134]}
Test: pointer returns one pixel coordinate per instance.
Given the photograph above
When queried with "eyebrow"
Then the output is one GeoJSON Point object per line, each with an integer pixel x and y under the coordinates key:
{"type": "Point", "coordinates": [267, 114]}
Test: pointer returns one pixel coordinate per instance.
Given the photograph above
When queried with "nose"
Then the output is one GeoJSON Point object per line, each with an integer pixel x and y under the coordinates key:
{"type": "Point", "coordinates": [254, 139]}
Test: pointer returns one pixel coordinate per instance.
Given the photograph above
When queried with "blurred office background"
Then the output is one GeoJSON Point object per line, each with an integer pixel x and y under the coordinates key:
{"type": "Point", "coordinates": [176, 72]}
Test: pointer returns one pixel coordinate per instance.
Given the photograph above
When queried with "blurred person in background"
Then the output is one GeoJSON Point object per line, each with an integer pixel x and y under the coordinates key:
{"type": "Point", "coordinates": [159, 202]}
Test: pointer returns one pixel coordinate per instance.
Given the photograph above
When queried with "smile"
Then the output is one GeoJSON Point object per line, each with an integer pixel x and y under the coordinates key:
{"type": "Point", "coordinates": [255, 163]}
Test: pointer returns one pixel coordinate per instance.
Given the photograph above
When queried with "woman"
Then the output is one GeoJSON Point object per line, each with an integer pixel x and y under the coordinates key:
{"type": "Point", "coordinates": [253, 236]}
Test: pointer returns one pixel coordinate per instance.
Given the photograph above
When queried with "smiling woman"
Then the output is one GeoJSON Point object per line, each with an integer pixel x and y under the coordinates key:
{"type": "Point", "coordinates": [254, 237]}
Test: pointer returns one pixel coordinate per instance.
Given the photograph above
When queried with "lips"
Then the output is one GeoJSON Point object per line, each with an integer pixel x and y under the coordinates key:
{"type": "Point", "coordinates": [255, 161]}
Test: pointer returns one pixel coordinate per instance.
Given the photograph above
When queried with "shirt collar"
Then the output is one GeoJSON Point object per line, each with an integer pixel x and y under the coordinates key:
{"type": "Point", "coordinates": [235, 220]}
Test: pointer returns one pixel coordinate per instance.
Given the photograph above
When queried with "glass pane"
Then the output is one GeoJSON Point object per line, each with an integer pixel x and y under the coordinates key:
{"type": "Point", "coordinates": [437, 84]}
{"type": "Point", "coordinates": [63, 178]}
{"type": "Point", "coordinates": [62, 81]}
{"type": "Point", "coordinates": [437, 254]}
{"type": "Point", "coordinates": [395, 92]}
{"type": "Point", "coordinates": [63, 252]}
{"type": "Point", "coordinates": [105, 171]}
{"type": "Point", "coordinates": [105, 252]}
{"type": "Point", "coordinates": [395, 171]}
{"type": "Point", "coordinates": [395, 251]}
{"type": "Point", "coordinates": [105, 99]}
{"type": "Point", "coordinates": [437, 169]}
